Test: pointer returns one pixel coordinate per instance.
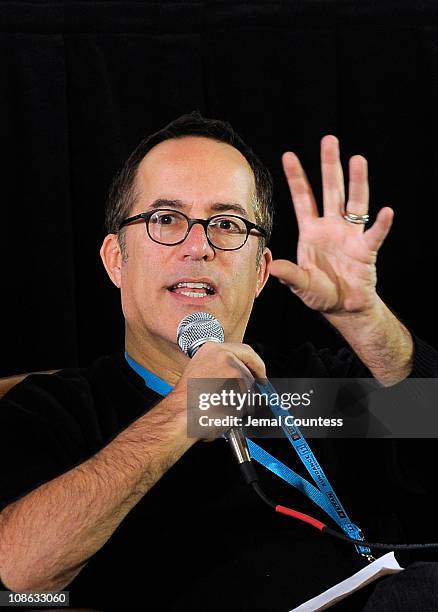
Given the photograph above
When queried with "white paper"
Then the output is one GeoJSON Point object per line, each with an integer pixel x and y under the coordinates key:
{"type": "Point", "coordinates": [387, 564]}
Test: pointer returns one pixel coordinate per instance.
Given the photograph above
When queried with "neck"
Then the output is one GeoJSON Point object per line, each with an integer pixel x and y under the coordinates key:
{"type": "Point", "coordinates": [163, 358]}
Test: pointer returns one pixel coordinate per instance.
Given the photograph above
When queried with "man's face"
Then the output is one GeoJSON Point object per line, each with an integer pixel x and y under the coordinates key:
{"type": "Point", "coordinates": [202, 175]}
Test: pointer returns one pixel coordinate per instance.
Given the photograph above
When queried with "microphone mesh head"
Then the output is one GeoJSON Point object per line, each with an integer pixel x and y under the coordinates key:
{"type": "Point", "coordinates": [196, 329]}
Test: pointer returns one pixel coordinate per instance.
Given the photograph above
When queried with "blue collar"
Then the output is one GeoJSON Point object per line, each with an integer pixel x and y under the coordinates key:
{"type": "Point", "coordinates": [152, 381]}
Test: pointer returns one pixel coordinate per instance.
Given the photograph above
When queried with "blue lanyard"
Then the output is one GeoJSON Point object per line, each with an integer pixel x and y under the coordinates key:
{"type": "Point", "coordinates": [323, 494]}
{"type": "Point", "coordinates": [152, 381]}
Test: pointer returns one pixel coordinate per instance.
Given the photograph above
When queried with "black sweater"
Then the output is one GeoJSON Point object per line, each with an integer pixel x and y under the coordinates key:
{"type": "Point", "coordinates": [200, 539]}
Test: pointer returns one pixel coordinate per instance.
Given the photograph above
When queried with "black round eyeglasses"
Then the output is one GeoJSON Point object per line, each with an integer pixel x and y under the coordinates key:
{"type": "Point", "coordinates": [171, 227]}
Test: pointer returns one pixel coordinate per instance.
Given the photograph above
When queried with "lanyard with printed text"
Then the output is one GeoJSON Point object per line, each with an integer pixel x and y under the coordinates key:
{"type": "Point", "coordinates": [324, 494]}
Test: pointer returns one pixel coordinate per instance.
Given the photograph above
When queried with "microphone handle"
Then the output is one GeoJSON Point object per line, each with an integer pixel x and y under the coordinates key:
{"type": "Point", "coordinates": [234, 436]}
{"type": "Point", "coordinates": [238, 445]}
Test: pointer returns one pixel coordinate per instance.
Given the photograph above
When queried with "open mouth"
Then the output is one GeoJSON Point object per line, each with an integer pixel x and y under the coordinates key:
{"type": "Point", "coordinates": [193, 290]}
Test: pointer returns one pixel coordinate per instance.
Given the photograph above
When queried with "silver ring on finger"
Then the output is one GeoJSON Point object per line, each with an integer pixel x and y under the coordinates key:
{"type": "Point", "coordinates": [357, 219]}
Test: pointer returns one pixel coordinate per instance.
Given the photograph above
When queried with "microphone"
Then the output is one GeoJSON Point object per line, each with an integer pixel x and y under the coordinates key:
{"type": "Point", "coordinates": [193, 331]}
{"type": "Point", "coordinates": [197, 329]}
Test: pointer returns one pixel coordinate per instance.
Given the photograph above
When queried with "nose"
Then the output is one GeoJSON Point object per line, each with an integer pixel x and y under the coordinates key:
{"type": "Point", "coordinates": [196, 245]}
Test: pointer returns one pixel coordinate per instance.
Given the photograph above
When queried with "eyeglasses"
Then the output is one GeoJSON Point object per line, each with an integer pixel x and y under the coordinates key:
{"type": "Point", "coordinates": [171, 227]}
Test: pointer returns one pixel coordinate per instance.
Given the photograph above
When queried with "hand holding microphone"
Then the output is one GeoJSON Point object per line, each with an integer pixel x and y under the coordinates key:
{"type": "Point", "coordinates": [224, 366]}
{"type": "Point", "coordinates": [222, 360]}
{"type": "Point", "coordinates": [201, 337]}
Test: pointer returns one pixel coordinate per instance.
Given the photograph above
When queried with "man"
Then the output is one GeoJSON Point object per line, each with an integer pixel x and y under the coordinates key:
{"type": "Point", "coordinates": [107, 496]}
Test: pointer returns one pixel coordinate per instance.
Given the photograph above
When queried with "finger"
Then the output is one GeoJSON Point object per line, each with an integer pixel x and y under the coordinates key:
{"type": "Point", "coordinates": [358, 190]}
{"type": "Point", "coordinates": [253, 362]}
{"type": "Point", "coordinates": [290, 274]}
{"type": "Point", "coordinates": [377, 233]}
{"type": "Point", "coordinates": [248, 362]}
{"type": "Point", "coordinates": [301, 192]}
{"type": "Point", "coordinates": [332, 177]}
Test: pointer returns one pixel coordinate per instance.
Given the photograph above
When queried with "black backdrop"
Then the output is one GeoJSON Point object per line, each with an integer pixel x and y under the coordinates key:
{"type": "Point", "coordinates": [83, 82]}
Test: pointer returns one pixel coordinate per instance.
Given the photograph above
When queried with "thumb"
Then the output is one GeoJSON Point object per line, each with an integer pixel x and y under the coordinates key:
{"type": "Point", "coordinates": [289, 274]}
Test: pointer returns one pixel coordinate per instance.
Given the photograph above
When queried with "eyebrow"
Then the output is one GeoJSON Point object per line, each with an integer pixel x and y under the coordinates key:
{"type": "Point", "coordinates": [216, 207]}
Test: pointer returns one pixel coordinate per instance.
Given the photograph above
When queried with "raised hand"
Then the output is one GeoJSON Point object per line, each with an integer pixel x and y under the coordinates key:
{"type": "Point", "coordinates": [336, 259]}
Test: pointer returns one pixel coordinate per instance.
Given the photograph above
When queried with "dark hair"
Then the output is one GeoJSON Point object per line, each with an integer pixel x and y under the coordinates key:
{"type": "Point", "coordinates": [122, 195]}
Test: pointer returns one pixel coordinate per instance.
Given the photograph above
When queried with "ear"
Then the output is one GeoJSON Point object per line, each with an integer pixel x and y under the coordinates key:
{"type": "Point", "coordinates": [263, 270]}
{"type": "Point", "coordinates": [112, 258]}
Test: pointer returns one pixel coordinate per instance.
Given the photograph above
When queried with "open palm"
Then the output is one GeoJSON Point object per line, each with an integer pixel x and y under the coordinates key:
{"type": "Point", "coordinates": [336, 259]}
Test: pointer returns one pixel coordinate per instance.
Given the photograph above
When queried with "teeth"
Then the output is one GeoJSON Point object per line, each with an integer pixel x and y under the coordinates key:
{"type": "Point", "coordinates": [208, 289]}
{"type": "Point", "coordinates": [195, 285]}
{"type": "Point", "coordinates": [192, 294]}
